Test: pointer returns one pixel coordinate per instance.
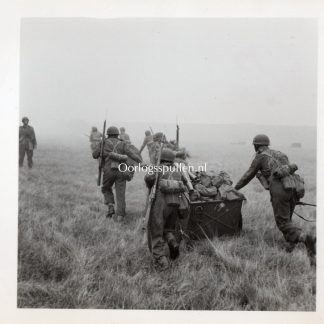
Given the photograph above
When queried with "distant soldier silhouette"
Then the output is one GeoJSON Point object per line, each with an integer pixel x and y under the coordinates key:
{"type": "Point", "coordinates": [148, 141]}
{"type": "Point", "coordinates": [123, 136]}
{"type": "Point", "coordinates": [273, 170]}
{"type": "Point", "coordinates": [94, 138]}
{"type": "Point", "coordinates": [27, 143]}
{"type": "Point", "coordinates": [155, 147]}
{"type": "Point", "coordinates": [115, 152]}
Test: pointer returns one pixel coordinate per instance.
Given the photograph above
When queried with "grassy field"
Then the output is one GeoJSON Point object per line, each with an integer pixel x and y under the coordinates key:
{"type": "Point", "coordinates": [71, 256]}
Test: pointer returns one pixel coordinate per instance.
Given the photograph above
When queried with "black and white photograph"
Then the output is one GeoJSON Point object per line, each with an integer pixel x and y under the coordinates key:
{"type": "Point", "coordinates": [167, 163]}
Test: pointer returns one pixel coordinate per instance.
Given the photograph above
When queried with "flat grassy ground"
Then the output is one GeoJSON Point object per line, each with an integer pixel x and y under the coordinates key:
{"type": "Point", "coordinates": [71, 256]}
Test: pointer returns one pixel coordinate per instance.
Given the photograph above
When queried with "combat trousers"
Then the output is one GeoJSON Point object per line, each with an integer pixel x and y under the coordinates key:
{"type": "Point", "coordinates": [24, 149]}
{"type": "Point", "coordinates": [164, 225]}
{"type": "Point", "coordinates": [283, 204]}
{"type": "Point", "coordinates": [152, 156]}
{"type": "Point", "coordinates": [111, 177]}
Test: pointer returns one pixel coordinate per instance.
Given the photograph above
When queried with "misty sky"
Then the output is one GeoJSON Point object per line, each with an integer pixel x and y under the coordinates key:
{"type": "Point", "coordinates": [221, 71]}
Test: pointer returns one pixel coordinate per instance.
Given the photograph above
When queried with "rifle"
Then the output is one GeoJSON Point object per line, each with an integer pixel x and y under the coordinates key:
{"type": "Point", "coordinates": [151, 130]}
{"type": "Point", "coordinates": [177, 134]}
{"type": "Point", "coordinates": [152, 193]}
{"type": "Point", "coordinates": [305, 204]}
{"type": "Point", "coordinates": [101, 161]}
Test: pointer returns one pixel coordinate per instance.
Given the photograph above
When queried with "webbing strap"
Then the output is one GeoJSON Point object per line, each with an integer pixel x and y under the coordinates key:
{"type": "Point", "coordinates": [113, 145]}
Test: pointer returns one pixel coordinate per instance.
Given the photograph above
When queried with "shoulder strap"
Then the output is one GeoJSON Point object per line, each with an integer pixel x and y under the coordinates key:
{"type": "Point", "coordinates": [270, 155]}
{"type": "Point", "coordinates": [113, 145]}
{"type": "Point", "coordinates": [170, 177]}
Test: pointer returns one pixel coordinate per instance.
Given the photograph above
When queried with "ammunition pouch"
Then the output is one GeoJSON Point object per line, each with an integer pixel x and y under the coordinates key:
{"type": "Point", "coordinates": [114, 165]}
{"type": "Point", "coordinates": [296, 182]}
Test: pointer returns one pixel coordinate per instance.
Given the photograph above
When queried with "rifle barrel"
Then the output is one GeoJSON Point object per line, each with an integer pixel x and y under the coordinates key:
{"type": "Point", "coordinates": [101, 154]}
{"type": "Point", "coordinates": [305, 204]}
{"type": "Point", "coordinates": [153, 192]}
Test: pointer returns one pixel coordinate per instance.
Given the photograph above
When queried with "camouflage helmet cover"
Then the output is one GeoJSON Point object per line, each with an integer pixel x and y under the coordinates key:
{"type": "Point", "coordinates": [261, 139]}
{"type": "Point", "coordinates": [112, 130]}
{"type": "Point", "coordinates": [167, 155]}
{"type": "Point", "coordinates": [25, 118]}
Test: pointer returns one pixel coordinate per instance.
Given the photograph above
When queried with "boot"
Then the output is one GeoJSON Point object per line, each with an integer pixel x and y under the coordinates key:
{"type": "Point", "coordinates": [310, 243]}
{"type": "Point", "coordinates": [162, 263]}
{"type": "Point", "coordinates": [173, 245]}
{"type": "Point", "coordinates": [111, 211]}
{"type": "Point", "coordinates": [174, 249]}
{"type": "Point", "coordinates": [290, 246]}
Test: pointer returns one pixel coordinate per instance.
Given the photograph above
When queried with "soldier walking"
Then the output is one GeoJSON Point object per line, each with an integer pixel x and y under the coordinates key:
{"type": "Point", "coordinates": [155, 147]}
{"type": "Point", "coordinates": [94, 138]}
{"type": "Point", "coordinates": [148, 141]}
{"type": "Point", "coordinates": [169, 213]}
{"type": "Point", "coordinates": [123, 136]}
{"type": "Point", "coordinates": [27, 143]}
{"type": "Point", "coordinates": [266, 166]}
{"type": "Point", "coordinates": [115, 151]}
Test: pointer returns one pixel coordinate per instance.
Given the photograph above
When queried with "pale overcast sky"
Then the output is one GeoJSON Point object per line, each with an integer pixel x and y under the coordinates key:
{"type": "Point", "coordinates": [221, 71]}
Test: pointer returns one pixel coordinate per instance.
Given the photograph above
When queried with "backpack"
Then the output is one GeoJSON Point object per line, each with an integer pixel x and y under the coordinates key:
{"type": "Point", "coordinates": [285, 172]}
{"type": "Point", "coordinates": [174, 193]}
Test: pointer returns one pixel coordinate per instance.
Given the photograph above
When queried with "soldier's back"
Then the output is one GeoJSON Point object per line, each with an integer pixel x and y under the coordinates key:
{"type": "Point", "coordinates": [277, 156]}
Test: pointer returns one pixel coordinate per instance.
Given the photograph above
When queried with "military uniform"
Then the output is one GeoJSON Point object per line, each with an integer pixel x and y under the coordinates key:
{"type": "Point", "coordinates": [155, 146]}
{"type": "Point", "coordinates": [27, 143]}
{"type": "Point", "coordinates": [273, 169]}
{"type": "Point", "coordinates": [167, 220]}
{"type": "Point", "coordinates": [148, 141]}
{"type": "Point", "coordinates": [95, 139]}
{"type": "Point", "coordinates": [111, 174]}
{"type": "Point", "coordinates": [283, 201]}
{"type": "Point", "coordinates": [123, 136]}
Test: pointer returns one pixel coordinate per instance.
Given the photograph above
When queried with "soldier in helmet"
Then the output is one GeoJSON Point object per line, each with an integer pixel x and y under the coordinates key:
{"type": "Point", "coordinates": [123, 136]}
{"type": "Point", "coordinates": [169, 212]}
{"type": "Point", "coordinates": [94, 138]}
{"type": "Point", "coordinates": [265, 166]}
{"type": "Point", "coordinates": [148, 141]}
{"type": "Point", "coordinates": [155, 147]}
{"type": "Point", "coordinates": [27, 142]}
{"type": "Point", "coordinates": [115, 152]}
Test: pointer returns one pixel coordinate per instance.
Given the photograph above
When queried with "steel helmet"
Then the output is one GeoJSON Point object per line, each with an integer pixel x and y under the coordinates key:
{"type": "Point", "coordinates": [147, 133]}
{"type": "Point", "coordinates": [167, 155]}
{"type": "Point", "coordinates": [112, 130]}
{"type": "Point", "coordinates": [261, 139]}
{"type": "Point", "coordinates": [158, 137]}
{"type": "Point", "coordinates": [25, 118]}
{"type": "Point", "coordinates": [122, 129]}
